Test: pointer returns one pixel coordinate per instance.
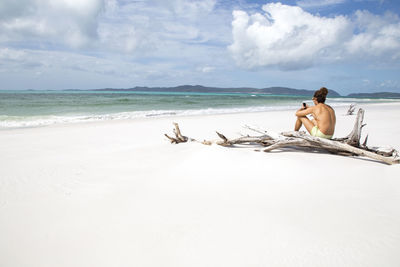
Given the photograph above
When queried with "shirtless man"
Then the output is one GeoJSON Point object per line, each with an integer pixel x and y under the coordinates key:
{"type": "Point", "coordinates": [323, 124]}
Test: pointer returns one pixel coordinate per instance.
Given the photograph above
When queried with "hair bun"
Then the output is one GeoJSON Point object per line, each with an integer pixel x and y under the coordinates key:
{"type": "Point", "coordinates": [320, 95]}
{"type": "Point", "coordinates": [323, 91]}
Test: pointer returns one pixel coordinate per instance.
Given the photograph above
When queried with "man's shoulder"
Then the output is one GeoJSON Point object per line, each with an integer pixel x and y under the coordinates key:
{"type": "Point", "coordinates": [329, 109]}
{"type": "Point", "coordinates": [327, 106]}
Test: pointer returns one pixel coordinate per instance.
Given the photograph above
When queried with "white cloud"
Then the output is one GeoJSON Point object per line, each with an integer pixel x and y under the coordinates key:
{"type": "Point", "coordinates": [123, 41]}
{"type": "Point", "coordinates": [376, 84]}
{"type": "Point", "coordinates": [70, 67]}
{"type": "Point", "coordinates": [390, 85]}
{"type": "Point", "coordinates": [7, 54]}
{"type": "Point", "coordinates": [379, 36]}
{"type": "Point", "coordinates": [286, 36]}
{"type": "Point", "coordinates": [63, 22]}
{"type": "Point", "coordinates": [189, 9]}
{"type": "Point", "coordinates": [206, 69]}
{"type": "Point", "coordinates": [318, 3]}
{"type": "Point", "coordinates": [12, 9]}
{"type": "Point", "coordinates": [155, 27]}
{"type": "Point", "coordinates": [149, 28]}
{"type": "Point", "coordinates": [290, 38]}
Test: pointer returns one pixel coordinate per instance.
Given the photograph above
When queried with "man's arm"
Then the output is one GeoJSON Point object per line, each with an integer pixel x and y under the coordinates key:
{"type": "Point", "coordinates": [303, 112]}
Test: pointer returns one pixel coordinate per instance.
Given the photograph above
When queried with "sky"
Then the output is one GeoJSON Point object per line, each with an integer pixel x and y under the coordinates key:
{"type": "Point", "coordinates": [345, 45]}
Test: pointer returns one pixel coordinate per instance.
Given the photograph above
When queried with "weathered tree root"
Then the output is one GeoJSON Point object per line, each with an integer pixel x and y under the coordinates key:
{"type": "Point", "coordinates": [351, 109]}
{"type": "Point", "coordinates": [347, 146]}
{"type": "Point", "coordinates": [179, 138]}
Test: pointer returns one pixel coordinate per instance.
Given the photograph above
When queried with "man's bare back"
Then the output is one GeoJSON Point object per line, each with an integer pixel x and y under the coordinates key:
{"type": "Point", "coordinates": [325, 118]}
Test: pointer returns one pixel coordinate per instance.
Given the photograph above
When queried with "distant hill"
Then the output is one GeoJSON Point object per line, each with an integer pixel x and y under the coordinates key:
{"type": "Point", "coordinates": [204, 89]}
{"type": "Point", "coordinates": [376, 95]}
{"type": "Point", "coordinates": [249, 90]}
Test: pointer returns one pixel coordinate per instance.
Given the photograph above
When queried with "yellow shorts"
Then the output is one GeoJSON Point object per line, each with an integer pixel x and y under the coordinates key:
{"type": "Point", "coordinates": [317, 133]}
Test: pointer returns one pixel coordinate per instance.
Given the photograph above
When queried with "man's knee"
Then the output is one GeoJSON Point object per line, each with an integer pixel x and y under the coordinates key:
{"type": "Point", "coordinates": [302, 118]}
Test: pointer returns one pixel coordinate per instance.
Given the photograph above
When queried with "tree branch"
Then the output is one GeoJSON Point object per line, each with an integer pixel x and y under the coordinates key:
{"type": "Point", "coordinates": [348, 146]}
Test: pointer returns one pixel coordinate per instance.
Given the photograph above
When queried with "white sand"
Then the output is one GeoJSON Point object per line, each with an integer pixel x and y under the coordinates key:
{"type": "Point", "coordinates": [118, 194]}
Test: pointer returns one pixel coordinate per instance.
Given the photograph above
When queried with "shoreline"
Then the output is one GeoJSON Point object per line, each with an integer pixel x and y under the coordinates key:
{"type": "Point", "coordinates": [178, 116]}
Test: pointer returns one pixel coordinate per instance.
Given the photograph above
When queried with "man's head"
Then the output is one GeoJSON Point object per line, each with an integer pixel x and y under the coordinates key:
{"type": "Point", "coordinates": [320, 95]}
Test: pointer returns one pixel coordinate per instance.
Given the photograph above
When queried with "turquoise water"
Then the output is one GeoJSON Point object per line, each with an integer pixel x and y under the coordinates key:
{"type": "Point", "coordinates": [36, 108]}
{"type": "Point", "coordinates": [31, 103]}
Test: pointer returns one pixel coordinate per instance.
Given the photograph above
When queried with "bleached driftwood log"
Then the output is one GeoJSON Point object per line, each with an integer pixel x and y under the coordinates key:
{"type": "Point", "coordinates": [332, 146]}
{"type": "Point", "coordinates": [353, 138]}
{"type": "Point", "coordinates": [348, 146]}
{"type": "Point", "coordinates": [179, 138]}
{"type": "Point", "coordinates": [351, 109]}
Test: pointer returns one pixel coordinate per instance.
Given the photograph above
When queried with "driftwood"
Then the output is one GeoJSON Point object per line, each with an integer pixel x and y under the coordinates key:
{"type": "Point", "coordinates": [179, 138]}
{"type": "Point", "coordinates": [353, 138]}
{"type": "Point", "coordinates": [347, 146]}
{"type": "Point", "coordinates": [351, 109]}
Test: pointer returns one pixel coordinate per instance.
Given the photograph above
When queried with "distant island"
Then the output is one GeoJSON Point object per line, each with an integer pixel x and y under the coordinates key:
{"type": "Point", "coordinates": [248, 90]}
{"type": "Point", "coordinates": [204, 89]}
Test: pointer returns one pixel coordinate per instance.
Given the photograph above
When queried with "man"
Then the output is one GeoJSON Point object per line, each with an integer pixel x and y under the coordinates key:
{"type": "Point", "coordinates": [323, 124]}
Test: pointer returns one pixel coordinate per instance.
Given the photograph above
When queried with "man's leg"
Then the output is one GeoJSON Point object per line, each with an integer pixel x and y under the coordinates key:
{"type": "Point", "coordinates": [298, 124]}
{"type": "Point", "coordinates": [307, 123]}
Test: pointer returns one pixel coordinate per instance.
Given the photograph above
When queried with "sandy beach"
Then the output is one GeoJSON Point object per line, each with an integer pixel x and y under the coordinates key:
{"type": "Point", "coordinates": [117, 193]}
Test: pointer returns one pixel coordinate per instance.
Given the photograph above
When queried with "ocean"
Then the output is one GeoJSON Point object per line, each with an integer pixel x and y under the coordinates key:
{"type": "Point", "coordinates": [40, 108]}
